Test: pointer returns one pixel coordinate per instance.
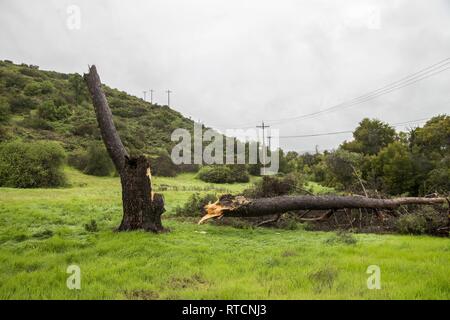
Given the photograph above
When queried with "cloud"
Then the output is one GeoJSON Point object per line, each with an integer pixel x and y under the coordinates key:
{"type": "Point", "coordinates": [232, 63]}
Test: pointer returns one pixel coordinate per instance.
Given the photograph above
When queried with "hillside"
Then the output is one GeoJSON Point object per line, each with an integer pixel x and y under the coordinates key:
{"type": "Point", "coordinates": [47, 105]}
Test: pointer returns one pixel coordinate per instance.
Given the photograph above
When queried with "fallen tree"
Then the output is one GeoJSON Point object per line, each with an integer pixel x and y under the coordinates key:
{"type": "Point", "coordinates": [142, 208]}
{"type": "Point", "coordinates": [239, 206]}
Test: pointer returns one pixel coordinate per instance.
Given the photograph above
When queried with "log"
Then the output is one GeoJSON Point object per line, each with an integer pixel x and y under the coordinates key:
{"type": "Point", "coordinates": [239, 206]}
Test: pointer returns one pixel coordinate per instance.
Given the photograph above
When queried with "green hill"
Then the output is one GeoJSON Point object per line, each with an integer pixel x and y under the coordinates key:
{"type": "Point", "coordinates": [47, 105]}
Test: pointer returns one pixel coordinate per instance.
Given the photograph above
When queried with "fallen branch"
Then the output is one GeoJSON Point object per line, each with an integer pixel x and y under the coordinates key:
{"type": "Point", "coordinates": [239, 206]}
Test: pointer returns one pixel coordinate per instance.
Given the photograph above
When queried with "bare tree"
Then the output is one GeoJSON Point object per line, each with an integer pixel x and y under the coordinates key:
{"type": "Point", "coordinates": [142, 209]}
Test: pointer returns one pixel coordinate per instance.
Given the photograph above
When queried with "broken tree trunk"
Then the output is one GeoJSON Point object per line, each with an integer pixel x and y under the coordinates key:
{"type": "Point", "coordinates": [142, 209]}
{"type": "Point", "coordinates": [239, 206]}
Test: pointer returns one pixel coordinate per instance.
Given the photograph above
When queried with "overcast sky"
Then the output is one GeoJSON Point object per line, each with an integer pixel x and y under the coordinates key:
{"type": "Point", "coordinates": [233, 63]}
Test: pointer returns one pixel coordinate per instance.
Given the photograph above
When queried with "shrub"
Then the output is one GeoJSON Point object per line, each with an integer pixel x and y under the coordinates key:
{"type": "Point", "coordinates": [78, 159]}
{"type": "Point", "coordinates": [22, 103]}
{"type": "Point", "coordinates": [411, 224]}
{"type": "Point", "coordinates": [215, 174]}
{"type": "Point", "coordinates": [31, 165]}
{"type": "Point", "coordinates": [46, 87]}
{"type": "Point", "coordinates": [32, 89]}
{"type": "Point", "coordinates": [14, 80]}
{"type": "Point", "coordinates": [49, 111]}
{"type": "Point", "coordinates": [239, 173]}
{"type": "Point", "coordinates": [163, 166]}
{"type": "Point", "coordinates": [271, 186]}
{"type": "Point", "coordinates": [35, 122]}
{"type": "Point", "coordinates": [98, 161]}
{"type": "Point", "coordinates": [424, 220]}
{"type": "Point", "coordinates": [224, 174]}
{"type": "Point", "coordinates": [195, 204]}
{"type": "Point", "coordinates": [5, 111]}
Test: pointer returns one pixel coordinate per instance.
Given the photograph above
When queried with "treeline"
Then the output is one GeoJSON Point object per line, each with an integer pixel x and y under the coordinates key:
{"type": "Point", "coordinates": [381, 160]}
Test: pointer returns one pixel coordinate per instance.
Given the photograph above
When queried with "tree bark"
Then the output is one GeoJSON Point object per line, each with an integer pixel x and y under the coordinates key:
{"type": "Point", "coordinates": [142, 209]}
{"type": "Point", "coordinates": [238, 206]}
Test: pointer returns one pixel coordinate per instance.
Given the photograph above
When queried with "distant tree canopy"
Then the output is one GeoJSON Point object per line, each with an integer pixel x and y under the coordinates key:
{"type": "Point", "coordinates": [393, 169]}
{"type": "Point", "coordinates": [370, 137]}
{"type": "Point", "coordinates": [412, 163]}
{"type": "Point", "coordinates": [433, 139]}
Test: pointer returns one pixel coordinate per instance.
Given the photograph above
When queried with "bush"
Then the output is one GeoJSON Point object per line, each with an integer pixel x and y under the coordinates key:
{"type": "Point", "coordinates": [31, 165]}
{"type": "Point", "coordinates": [411, 224]}
{"type": "Point", "coordinates": [424, 220]}
{"type": "Point", "coordinates": [78, 159]}
{"type": "Point", "coordinates": [22, 103]}
{"type": "Point", "coordinates": [215, 174]}
{"type": "Point", "coordinates": [5, 111]}
{"type": "Point", "coordinates": [98, 162]}
{"type": "Point", "coordinates": [224, 174]}
{"type": "Point", "coordinates": [239, 173]}
{"type": "Point", "coordinates": [46, 87]}
{"type": "Point", "coordinates": [35, 122]}
{"type": "Point", "coordinates": [194, 206]}
{"type": "Point", "coordinates": [271, 186]}
{"type": "Point", "coordinates": [163, 166]}
{"type": "Point", "coordinates": [32, 89]}
{"type": "Point", "coordinates": [14, 80]}
{"type": "Point", "coordinates": [49, 111]}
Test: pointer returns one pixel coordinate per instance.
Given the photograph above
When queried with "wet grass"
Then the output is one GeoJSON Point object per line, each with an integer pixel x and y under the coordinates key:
{"type": "Point", "coordinates": [43, 231]}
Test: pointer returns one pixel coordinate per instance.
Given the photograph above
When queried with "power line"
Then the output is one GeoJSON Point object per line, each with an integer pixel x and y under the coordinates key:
{"type": "Point", "coordinates": [350, 131]}
{"type": "Point", "coordinates": [364, 98]}
{"type": "Point", "coordinates": [411, 79]}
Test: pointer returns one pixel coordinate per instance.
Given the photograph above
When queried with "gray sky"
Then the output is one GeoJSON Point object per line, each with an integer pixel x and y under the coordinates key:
{"type": "Point", "coordinates": [233, 63]}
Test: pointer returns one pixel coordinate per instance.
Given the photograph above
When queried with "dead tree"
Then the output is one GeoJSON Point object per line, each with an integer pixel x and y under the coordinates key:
{"type": "Point", "coordinates": [239, 206]}
{"type": "Point", "coordinates": [142, 209]}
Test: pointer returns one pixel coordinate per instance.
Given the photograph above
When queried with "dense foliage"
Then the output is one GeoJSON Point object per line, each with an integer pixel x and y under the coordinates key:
{"type": "Point", "coordinates": [31, 165]}
{"type": "Point", "coordinates": [224, 174]}
{"type": "Point", "coordinates": [383, 160]}
{"type": "Point", "coordinates": [46, 105]}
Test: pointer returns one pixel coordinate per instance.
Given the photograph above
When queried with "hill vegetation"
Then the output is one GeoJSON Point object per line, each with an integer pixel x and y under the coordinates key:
{"type": "Point", "coordinates": [47, 105]}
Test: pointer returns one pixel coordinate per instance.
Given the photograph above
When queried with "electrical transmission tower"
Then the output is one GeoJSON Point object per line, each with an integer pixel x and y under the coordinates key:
{"type": "Point", "coordinates": [151, 95]}
{"type": "Point", "coordinates": [263, 127]}
{"type": "Point", "coordinates": [168, 97]}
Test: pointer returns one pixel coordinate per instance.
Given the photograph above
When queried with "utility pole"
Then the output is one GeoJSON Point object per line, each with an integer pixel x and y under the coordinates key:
{"type": "Point", "coordinates": [263, 127]}
{"type": "Point", "coordinates": [145, 95]}
{"type": "Point", "coordinates": [270, 140]}
{"type": "Point", "coordinates": [151, 96]}
{"type": "Point", "coordinates": [168, 97]}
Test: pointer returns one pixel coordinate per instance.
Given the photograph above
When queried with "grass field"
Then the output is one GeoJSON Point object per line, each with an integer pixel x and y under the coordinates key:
{"type": "Point", "coordinates": [42, 233]}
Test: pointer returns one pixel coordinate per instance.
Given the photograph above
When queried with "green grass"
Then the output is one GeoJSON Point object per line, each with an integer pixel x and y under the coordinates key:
{"type": "Point", "coordinates": [41, 233]}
